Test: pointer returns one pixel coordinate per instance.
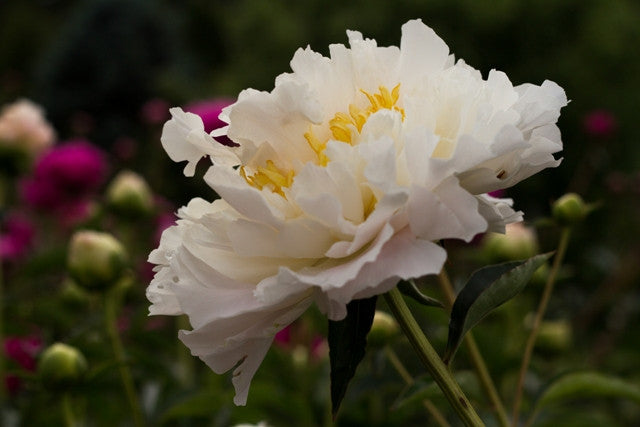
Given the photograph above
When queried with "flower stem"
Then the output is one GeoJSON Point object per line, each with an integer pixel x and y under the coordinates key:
{"type": "Point", "coordinates": [432, 360]}
{"type": "Point", "coordinates": [476, 357]}
{"type": "Point", "coordinates": [67, 410]}
{"type": "Point", "coordinates": [542, 307]}
{"type": "Point", "coordinates": [112, 300]}
{"type": "Point", "coordinates": [408, 379]}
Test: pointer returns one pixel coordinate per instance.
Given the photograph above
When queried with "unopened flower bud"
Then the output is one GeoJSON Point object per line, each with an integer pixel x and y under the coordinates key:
{"type": "Point", "coordinates": [384, 327]}
{"type": "Point", "coordinates": [554, 335]}
{"type": "Point", "coordinates": [569, 209]}
{"type": "Point", "coordinates": [96, 260]}
{"type": "Point", "coordinates": [61, 366]}
{"type": "Point", "coordinates": [518, 242]}
{"type": "Point", "coordinates": [129, 194]}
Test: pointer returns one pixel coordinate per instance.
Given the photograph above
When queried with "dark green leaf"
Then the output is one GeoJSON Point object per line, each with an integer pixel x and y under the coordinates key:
{"type": "Point", "coordinates": [410, 289]}
{"type": "Point", "coordinates": [487, 289]}
{"type": "Point", "coordinates": [347, 342]}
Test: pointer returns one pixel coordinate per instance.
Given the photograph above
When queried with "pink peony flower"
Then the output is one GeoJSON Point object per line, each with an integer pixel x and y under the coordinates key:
{"type": "Point", "coordinates": [600, 124]}
{"type": "Point", "coordinates": [209, 112]}
{"type": "Point", "coordinates": [16, 237]}
{"type": "Point", "coordinates": [65, 175]}
{"type": "Point", "coordinates": [23, 350]}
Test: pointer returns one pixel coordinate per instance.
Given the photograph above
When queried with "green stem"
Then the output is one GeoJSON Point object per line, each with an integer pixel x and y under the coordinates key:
{"type": "Point", "coordinates": [431, 360]}
{"type": "Point", "coordinates": [67, 410]}
{"type": "Point", "coordinates": [542, 307]}
{"type": "Point", "coordinates": [110, 309]}
{"type": "Point", "coordinates": [408, 379]}
{"type": "Point", "coordinates": [476, 357]}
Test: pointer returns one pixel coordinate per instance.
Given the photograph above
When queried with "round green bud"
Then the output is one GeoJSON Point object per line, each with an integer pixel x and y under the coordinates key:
{"type": "Point", "coordinates": [61, 366]}
{"type": "Point", "coordinates": [554, 335]}
{"type": "Point", "coordinates": [384, 327]}
{"type": "Point", "coordinates": [130, 195]}
{"type": "Point", "coordinates": [569, 209]}
{"type": "Point", "coordinates": [96, 260]}
{"type": "Point", "coordinates": [518, 242]}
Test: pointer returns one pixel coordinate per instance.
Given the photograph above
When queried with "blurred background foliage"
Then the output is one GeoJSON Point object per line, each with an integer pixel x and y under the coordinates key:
{"type": "Point", "coordinates": [93, 65]}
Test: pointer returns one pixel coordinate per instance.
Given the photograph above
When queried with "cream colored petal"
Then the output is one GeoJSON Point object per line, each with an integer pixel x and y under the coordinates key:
{"type": "Point", "coordinates": [446, 212]}
{"type": "Point", "coordinates": [422, 53]}
{"type": "Point", "coordinates": [183, 138]}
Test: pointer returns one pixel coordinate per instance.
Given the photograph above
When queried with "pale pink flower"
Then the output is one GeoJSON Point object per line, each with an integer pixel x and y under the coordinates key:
{"type": "Point", "coordinates": [24, 128]}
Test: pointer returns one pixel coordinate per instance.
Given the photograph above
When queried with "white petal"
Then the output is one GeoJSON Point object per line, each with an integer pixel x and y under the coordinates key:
{"type": "Point", "coordinates": [183, 138]}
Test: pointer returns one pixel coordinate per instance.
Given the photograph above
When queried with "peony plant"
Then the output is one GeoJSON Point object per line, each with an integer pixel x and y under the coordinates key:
{"type": "Point", "coordinates": [344, 179]}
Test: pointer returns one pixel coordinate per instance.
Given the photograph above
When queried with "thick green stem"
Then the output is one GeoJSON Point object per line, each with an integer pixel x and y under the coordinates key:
{"type": "Point", "coordinates": [476, 357]}
{"type": "Point", "coordinates": [112, 300]}
{"type": "Point", "coordinates": [542, 307]}
{"type": "Point", "coordinates": [67, 410]}
{"type": "Point", "coordinates": [432, 360]}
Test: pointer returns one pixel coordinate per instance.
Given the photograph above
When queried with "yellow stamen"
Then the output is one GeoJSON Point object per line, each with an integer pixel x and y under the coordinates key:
{"type": "Point", "coordinates": [342, 127]}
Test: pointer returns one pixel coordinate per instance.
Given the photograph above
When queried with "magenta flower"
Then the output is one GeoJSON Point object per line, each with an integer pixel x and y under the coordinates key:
{"type": "Point", "coordinates": [16, 237]}
{"type": "Point", "coordinates": [209, 112]}
{"type": "Point", "coordinates": [600, 124]}
{"type": "Point", "coordinates": [65, 175]}
{"type": "Point", "coordinates": [23, 351]}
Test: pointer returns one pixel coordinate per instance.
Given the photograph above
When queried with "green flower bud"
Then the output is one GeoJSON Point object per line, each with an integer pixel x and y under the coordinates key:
{"type": "Point", "coordinates": [569, 209]}
{"type": "Point", "coordinates": [554, 335]}
{"type": "Point", "coordinates": [61, 366]}
{"type": "Point", "coordinates": [130, 195]}
{"type": "Point", "coordinates": [96, 260]}
{"type": "Point", "coordinates": [384, 327]}
{"type": "Point", "coordinates": [519, 242]}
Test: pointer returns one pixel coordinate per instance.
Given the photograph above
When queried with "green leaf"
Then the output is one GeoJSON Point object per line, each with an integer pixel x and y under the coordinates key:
{"type": "Point", "coordinates": [587, 385]}
{"type": "Point", "coordinates": [487, 289]}
{"type": "Point", "coordinates": [410, 289]}
{"type": "Point", "coordinates": [347, 342]}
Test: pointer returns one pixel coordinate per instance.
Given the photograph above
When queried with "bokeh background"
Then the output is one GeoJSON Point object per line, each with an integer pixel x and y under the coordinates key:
{"type": "Point", "coordinates": [106, 71]}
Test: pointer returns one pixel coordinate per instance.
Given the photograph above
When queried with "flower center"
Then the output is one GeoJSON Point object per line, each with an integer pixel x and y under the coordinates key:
{"type": "Point", "coordinates": [343, 126]}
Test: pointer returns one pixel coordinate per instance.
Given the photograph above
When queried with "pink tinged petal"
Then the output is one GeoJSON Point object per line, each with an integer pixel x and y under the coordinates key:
{"type": "Point", "coordinates": [422, 53]}
{"type": "Point", "coordinates": [446, 212]}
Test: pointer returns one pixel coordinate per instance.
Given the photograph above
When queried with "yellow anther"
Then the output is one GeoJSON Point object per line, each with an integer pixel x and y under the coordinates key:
{"type": "Point", "coordinates": [342, 127]}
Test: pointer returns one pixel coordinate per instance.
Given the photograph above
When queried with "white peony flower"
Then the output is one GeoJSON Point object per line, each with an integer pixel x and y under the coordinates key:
{"type": "Point", "coordinates": [344, 177]}
{"type": "Point", "coordinates": [24, 128]}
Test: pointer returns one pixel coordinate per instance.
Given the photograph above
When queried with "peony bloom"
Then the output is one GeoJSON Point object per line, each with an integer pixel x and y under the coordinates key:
{"type": "Point", "coordinates": [24, 128]}
{"type": "Point", "coordinates": [345, 176]}
{"type": "Point", "coordinates": [65, 177]}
